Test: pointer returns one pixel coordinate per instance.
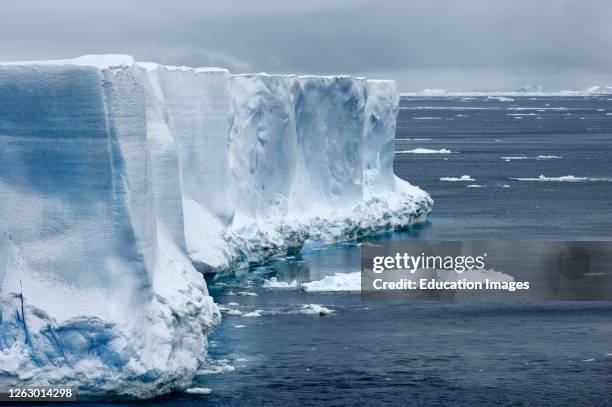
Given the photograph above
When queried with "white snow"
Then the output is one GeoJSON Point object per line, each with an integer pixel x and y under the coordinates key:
{"type": "Point", "coordinates": [425, 151]}
{"type": "Point", "coordinates": [120, 180]}
{"type": "Point", "coordinates": [515, 157]}
{"type": "Point", "coordinates": [274, 283]}
{"type": "Point", "coordinates": [565, 178]}
{"type": "Point", "coordinates": [252, 314]}
{"type": "Point", "coordinates": [548, 157]}
{"type": "Point", "coordinates": [336, 282]}
{"type": "Point", "coordinates": [457, 179]}
{"type": "Point", "coordinates": [316, 309]}
{"type": "Point", "coordinates": [198, 390]}
{"type": "Point", "coordinates": [599, 90]}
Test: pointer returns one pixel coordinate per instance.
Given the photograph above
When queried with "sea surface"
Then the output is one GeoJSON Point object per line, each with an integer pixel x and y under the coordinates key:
{"type": "Point", "coordinates": [271, 350]}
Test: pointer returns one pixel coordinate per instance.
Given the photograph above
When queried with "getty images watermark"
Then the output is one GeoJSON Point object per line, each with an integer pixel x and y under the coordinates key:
{"type": "Point", "coordinates": [536, 270]}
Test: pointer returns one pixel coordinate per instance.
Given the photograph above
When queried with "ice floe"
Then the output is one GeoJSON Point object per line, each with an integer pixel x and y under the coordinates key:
{"type": "Point", "coordinates": [336, 282]}
{"type": "Point", "coordinates": [316, 309]}
{"type": "Point", "coordinates": [274, 283]}
{"type": "Point", "coordinates": [425, 151]}
{"type": "Point", "coordinates": [457, 179]}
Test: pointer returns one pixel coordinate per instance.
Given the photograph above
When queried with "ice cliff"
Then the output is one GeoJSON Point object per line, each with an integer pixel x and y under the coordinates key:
{"type": "Point", "coordinates": [122, 182]}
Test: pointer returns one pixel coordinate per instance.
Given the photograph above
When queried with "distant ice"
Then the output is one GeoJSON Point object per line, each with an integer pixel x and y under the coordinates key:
{"type": "Point", "coordinates": [425, 151]}
{"type": "Point", "coordinates": [600, 90]}
{"type": "Point", "coordinates": [435, 92]}
{"type": "Point", "coordinates": [426, 118]}
{"type": "Point", "coordinates": [233, 312]}
{"type": "Point", "coordinates": [256, 313]}
{"type": "Point", "coordinates": [457, 179]}
{"type": "Point", "coordinates": [247, 293]}
{"type": "Point", "coordinates": [274, 283]}
{"type": "Point", "coordinates": [475, 186]}
{"type": "Point", "coordinates": [198, 390]}
{"type": "Point", "coordinates": [565, 178]}
{"type": "Point", "coordinates": [523, 157]}
{"type": "Point", "coordinates": [316, 309]}
{"type": "Point", "coordinates": [337, 282]}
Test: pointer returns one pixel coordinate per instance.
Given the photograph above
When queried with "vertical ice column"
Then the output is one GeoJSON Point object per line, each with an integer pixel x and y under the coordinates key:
{"type": "Point", "coordinates": [162, 147]}
{"type": "Point", "coordinates": [262, 144]}
{"type": "Point", "coordinates": [381, 110]}
{"type": "Point", "coordinates": [73, 189]}
{"type": "Point", "coordinates": [197, 109]}
{"type": "Point", "coordinates": [330, 122]}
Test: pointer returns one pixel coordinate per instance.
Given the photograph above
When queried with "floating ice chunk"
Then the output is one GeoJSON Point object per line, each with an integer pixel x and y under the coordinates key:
{"type": "Point", "coordinates": [316, 309]}
{"type": "Point", "coordinates": [239, 326]}
{"type": "Point", "coordinates": [198, 390]}
{"type": "Point", "coordinates": [256, 313]}
{"type": "Point", "coordinates": [506, 186]}
{"type": "Point", "coordinates": [247, 293]}
{"type": "Point", "coordinates": [426, 118]}
{"type": "Point", "coordinates": [434, 92]}
{"type": "Point", "coordinates": [233, 312]}
{"type": "Point", "coordinates": [515, 157]}
{"type": "Point", "coordinates": [457, 179]}
{"type": "Point", "coordinates": [425, 151]}
{"type": "Point", "coordinates": [547, 157]}
{"type": "Point", "coordinates": [337, 282]}
{"type": "Point", "coordinates": [475, 186]}
{"type": "Point", "coordinates": [565, 178]}
{"type": "Point", "coordinates": [213, 366]}
{"type": "Point", "coordinates": [274, 283]}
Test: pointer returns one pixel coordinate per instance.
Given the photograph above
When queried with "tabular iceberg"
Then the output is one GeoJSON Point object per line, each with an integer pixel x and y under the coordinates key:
{"type": "Point", "coordinates": [122, 182]}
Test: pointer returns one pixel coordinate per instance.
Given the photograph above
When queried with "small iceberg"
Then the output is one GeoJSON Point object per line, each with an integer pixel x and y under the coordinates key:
{"type": "Point", "coordinates": [253, 314]}
{"type": "Point", "coordinates": [274, 283]}
{"type": "Point", "coordinates": [337, 282]}
{"type": "Point", "coordinates": [565, 178]}
{"type": "Point", "coordinates": [198, 390]}
{"type": "Point", "coordinates": [547, 157]}
{"type": "Point", "coordinates": [455, 179]}
{"type": "Point", "coordinates": [425, 151]}
{"type": "Point", "coordinates": [316, 309]}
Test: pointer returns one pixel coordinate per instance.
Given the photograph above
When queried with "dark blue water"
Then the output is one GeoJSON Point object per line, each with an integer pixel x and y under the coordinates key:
{"type": "Point", "coordinates": [439, 353]}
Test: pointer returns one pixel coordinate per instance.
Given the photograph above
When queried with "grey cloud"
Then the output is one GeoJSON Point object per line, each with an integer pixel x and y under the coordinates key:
{"type": "Point", "coordinates": [435, 43]}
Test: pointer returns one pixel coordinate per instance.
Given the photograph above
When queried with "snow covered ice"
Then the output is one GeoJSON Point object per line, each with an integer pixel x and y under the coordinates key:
{"type": "Point", "coordinates": [122, 182]}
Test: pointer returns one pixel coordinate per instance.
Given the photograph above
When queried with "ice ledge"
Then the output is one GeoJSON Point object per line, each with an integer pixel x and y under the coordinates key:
{"type": "Point", "coordinates": [259, 242]}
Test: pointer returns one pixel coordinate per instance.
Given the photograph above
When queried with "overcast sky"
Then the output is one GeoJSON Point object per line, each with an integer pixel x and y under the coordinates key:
{"type": "Point", "coordinates": [450, 44]}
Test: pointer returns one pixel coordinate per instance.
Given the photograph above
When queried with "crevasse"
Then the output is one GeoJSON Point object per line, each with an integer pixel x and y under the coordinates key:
{"type": "Point", "coordinates": [122, 182]}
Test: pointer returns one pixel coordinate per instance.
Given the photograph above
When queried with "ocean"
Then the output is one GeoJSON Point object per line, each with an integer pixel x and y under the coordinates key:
{"type": "Point", "coordinates": [532, 168]}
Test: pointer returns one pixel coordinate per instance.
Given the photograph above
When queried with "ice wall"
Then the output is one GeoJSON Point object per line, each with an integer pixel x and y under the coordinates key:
{"type": "Point", "coordinates": [96, 289]}
{"type": "Point", "coordinates": [119, 181]}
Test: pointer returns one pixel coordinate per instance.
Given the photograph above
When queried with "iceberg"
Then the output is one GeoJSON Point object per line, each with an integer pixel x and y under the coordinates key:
{"type": "Point", "coordinates": [123, 183]}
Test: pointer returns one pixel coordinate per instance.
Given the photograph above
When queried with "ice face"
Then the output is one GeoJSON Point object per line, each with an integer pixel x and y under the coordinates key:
{"type": "Point", "coordinates": [119, 179]}
{"type": "Point", "coordinates": [379, 137]}
{"type": "Point", "coordinates": [263, 143]}
{"type": "Point", "coordinates": [330, 123]}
